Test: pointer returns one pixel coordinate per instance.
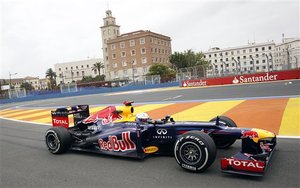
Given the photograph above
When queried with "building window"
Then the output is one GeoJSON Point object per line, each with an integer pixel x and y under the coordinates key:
{"type": "Point", "coordinates": [257, 68]}
{"type": "Point", "coordinates": [143, 50]}
{"type": "Point", "coordinates": [257, 61]}
{"type": "Point", "coordinates": [87, 66]}
{"type": "Point", "coordinates": [144, 60]}
{"type": "Point", "coordinates": [116, 74]}
{"type": "Point", "coordinates": [151, 40]}
{"type": "Point", "coordinates": [132, 43]}
{"type": "Point", "coordinates": [114, 56]}
{"type": "Point", "coordinates": [132, 52]}
{"type": "Point", "coordinates": [76, 67]}
{"type": "Point", "coordinates": [257, 55]}
{"type": "Point", "coordinates": [142, 40]}
{"type": "Point", "coordinates": [124, 63]}
{"type": "Point", "coordinates": [270, 47]}
{"type": "Point", "coordinates": [115, 65]}
{"type": "Point", "coordinates": [263, 61]}
{"type": "Point", "coordinates": [122, 44]}
{"type": "Point", "coordinates": [244, 51]}
{"type": "Point", "coordinates": [209, 55]}
{"type": "Point", "coordinates": [95, 71]}
{"type": "Point", "coordinates": [250, 50]}
{"type": "Point", "coordinates": [123, 54]}
{"type": "Point", "coordinates": [134, 71]}
{"type": "Point", "coordinates": [66, 68]}
{"type": "Point", "coordinates": [145, 70]}
{"type": "Point", "coordinates": [81, 66]}
{"type": "Point", "coordinates": [124, 73]}
{"type": "Point", "coordinates": [232, 52]}
{"type": "Point", "coordinates": [59, 69]}
{"type": "Point", "coordinates": [256, 49]}
{"type": "Point", "coordinates": [77, 73]}
{"type": "Point", "coordinates": [113, 46]}
{"type": "Point", "coordinates": [133, 62]}
{"type": "Point", "coordinates": [263, 48]}
{"type": "Point", "coordinates": [82, 73]}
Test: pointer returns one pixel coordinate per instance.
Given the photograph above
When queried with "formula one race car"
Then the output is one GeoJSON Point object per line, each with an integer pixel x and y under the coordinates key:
{"type": "Point", "coordinates": [117, 131]}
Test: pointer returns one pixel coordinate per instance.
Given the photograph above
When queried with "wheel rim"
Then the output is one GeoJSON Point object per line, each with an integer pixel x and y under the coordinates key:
{"type": "Point", "coordinates": [52, 141]}
{"type": "Point", "coordinates": [190, 153]}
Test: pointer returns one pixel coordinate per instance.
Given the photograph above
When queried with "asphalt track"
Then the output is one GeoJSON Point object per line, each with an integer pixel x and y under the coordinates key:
{"type": "Point", "coordinates": [25, 162]}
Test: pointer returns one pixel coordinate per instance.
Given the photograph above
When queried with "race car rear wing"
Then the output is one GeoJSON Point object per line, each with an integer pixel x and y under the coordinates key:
{"type": "Point", "coordinates": [65, 116]}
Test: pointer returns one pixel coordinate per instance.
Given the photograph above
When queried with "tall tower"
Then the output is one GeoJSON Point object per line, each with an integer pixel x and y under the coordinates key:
{"type": "Point", "coordinates": [109, 30]}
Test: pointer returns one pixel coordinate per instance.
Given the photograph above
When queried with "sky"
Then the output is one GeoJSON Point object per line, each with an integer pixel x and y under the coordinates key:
{"type": "Point", "coordinates": [36, 34]}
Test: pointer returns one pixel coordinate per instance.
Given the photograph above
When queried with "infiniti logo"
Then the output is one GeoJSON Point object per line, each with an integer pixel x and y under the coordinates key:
{"type": "Point", "coordinates": [162, 131]}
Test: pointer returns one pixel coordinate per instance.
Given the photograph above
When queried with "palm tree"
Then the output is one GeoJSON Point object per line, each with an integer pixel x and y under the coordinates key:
{"type": "Point", "coordinates": [51, 75]}
{"type": "Point", "coordinates": [98, 66]}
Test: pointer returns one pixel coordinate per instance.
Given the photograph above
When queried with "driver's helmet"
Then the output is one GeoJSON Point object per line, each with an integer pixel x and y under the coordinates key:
{"type": "Point", "coordinates": [142, 117]}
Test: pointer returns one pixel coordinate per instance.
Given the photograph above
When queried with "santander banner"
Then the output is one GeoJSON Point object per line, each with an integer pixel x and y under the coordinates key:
{"type": "Point", "coordinates": [242, 79]}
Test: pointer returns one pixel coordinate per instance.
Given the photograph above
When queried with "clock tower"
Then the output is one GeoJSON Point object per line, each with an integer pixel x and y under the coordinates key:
{"type": "Point", "coordinates": [109, 30]}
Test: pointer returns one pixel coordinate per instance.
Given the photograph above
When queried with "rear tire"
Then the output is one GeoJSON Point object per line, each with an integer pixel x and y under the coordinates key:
{"type": "Point", "coordinates": [58, 140]}
{"type": "Point", "coordinates": [195, 151]}
{"type": "Point", "coordinates": [224, 142]}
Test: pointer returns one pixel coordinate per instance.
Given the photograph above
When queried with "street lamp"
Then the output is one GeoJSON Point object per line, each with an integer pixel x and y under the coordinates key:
{"type": "Point", "coordinates": [270, 54]}
{"type": "Point", "coordinates": [253, 63]}
{"type": "Point", "coordinates": [236, 65]}
{"type": "Point", "coordinates": [10, 78]}
{"type": "Point", "coordinates": [132, 71]}
{"type": "Point", "coordinates": [296, 61]}
{"type": "Point", "coordinates": [267, 60]}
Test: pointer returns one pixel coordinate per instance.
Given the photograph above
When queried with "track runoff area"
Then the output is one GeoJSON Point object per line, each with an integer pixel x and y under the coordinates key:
{"type": "Point", "coordinates": [279, 114]}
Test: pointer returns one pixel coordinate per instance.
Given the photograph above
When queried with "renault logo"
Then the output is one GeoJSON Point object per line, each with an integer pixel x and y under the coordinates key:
{"type": "Point", "coordinates": [162, 131]}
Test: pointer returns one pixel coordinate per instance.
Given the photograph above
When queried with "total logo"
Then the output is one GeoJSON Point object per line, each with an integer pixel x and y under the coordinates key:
{"type": "Point", "coordinates": [245, 164]}
{"type": "Point", "coordinates": [113, 144]}
{"type": "Point", "coordinates": [60, 122]}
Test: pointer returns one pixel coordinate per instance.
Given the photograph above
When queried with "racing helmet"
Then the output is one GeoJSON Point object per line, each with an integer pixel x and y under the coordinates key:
{"type": "Point", "coordinates": [142, 117]}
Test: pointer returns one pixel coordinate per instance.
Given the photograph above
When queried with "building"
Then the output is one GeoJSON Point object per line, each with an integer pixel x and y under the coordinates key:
{"type": "Point", "coordinates": [287, 54]}
{"type": "Point", "coordinates": [254, 57]}
{"type": "Point", "coordinates": [74, 71]}
{"type": "Point", "coordinates": [130, 55]}
{"type": "Point", "coordinates": [251, 58]}
{"type": "Point", "coordinates": [36, 82]}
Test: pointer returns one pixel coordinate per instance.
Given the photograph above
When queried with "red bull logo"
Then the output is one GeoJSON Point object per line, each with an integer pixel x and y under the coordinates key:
{"type": "Point", "coordinates": [249, 134]}
{"type": "Point", "coordinates": [113, 144]}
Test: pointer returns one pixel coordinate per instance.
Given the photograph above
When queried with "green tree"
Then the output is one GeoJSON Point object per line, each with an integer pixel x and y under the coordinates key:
{"type": "Point", "coordinates": [187, 58]}
{"type": "Point", "coordinates": [51, 75]}
{"type": "Point", "coordinates": [165, 72]}
{"type": "Point", "coordinates": [98, 66]}
{"type": "Point", "coordinates": [27, 86]}
{"type": "Point", "coordinates": [86, 79]}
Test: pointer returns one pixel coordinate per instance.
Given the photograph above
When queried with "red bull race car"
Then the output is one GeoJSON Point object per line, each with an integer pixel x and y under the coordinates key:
{"type": "Point", "coordinates": [117, 131]}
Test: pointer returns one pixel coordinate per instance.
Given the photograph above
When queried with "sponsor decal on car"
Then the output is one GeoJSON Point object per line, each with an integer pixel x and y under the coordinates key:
{"type": "Point", "coordinates": [60, 121]}
{"type": "Point", "coordinates": [113, 144]}
{"type": "Point", "coordinates": [162, 134]}
{"type": "Point", "coordinates": [246, 165]}
{"type": "Point", "coordinates": [150, 149]}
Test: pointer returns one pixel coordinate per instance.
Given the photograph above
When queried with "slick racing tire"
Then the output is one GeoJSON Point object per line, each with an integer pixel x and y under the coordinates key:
{"type": "Point", "coordinates": [224, 142]}
{"type": "Point", "coordinates": [195, 151]}
{"type": "Point", "coordinates": [58, 140]}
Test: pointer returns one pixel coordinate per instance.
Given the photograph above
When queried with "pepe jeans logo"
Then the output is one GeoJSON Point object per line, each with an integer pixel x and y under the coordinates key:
{"type": "Point", "coordinates": [162, 131]}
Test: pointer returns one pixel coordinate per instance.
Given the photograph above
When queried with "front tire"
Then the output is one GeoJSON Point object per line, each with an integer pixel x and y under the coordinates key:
{"type": "Point", "coordinates": [58, 140]}
{"type": "Point", "coordinates": [195, 151]}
